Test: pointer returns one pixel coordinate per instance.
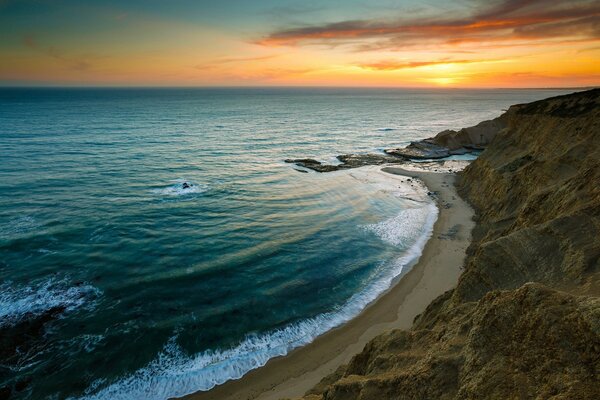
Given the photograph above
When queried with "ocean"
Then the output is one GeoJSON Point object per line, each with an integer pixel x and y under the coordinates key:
{"type": "Point", "coordinates": [154, 243]}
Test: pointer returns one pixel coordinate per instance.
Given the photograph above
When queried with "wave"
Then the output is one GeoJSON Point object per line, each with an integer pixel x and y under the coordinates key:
{"type": "Point", "coordinates": [182, 187]}
{"type": "Point", "coordinates": [18, 226]}
{"type": "Point", "coordinates": [175, 373]}
{"type": "Point", "coordinates": [386, 129]}
{"type": "Point", "coordinates": [18, 303]}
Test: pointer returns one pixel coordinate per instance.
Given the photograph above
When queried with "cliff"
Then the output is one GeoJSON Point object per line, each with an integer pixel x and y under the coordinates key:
{"type": "Point", "coordinates": [524, 319]}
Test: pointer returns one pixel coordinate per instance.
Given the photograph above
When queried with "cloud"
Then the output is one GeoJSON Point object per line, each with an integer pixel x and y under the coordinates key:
{"type": "Point", "coordinates": [501, 21]}
{"type": "Point", "coordinates": [588, 49]}
{"type": "Point", "coordinates": [77, 64]}
{"type": "Point", "coordinates": [391, 65]}
{"type": "Point", "coordinates": [220, 63]}
{"type": "Point", "coordinates": [267, 75]}
{"type": "Point", "coordinates": [233, 60]}
{"type": "Point", "coordinates": [536, 79]}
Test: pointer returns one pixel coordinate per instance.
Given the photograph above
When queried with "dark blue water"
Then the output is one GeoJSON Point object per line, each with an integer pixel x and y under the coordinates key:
{"type": "Point", "coordinates": [148, 289]}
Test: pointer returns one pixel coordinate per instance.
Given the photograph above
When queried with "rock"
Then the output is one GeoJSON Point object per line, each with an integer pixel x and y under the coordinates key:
{"type": "Point", "coordinates": [185, 185]}
{"type": "Point", "coordinates": [22, 384]}
{"type": "Point", "coordinates": [313, 164]}
{"type": "Point", "coordinates": [537, 204]}
{"type": "Point", "coordinates": [420, 151]}
{"type": "Point", "coordinates": [5, 392]}
{"type": "Point", "coordinates": [533, 342]}
{"type": "Point", "coordinates": [471, 138]}
{"type": "Point", "coordinates": [347, 161]}
{"type": "Point", "coordinates": [444, 144]}
{"type": "Point", "coordinates": [25, 334]}
{"type": "Point", "coordinates": [359, 160]}
{"type": "Point", "coordinates": [449, 142]}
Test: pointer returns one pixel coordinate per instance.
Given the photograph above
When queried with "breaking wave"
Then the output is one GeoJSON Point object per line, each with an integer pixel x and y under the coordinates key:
{"type": "Point", "coordinates": [175, 373]}
{"type": "Point", "coordinates": [181, 188]}
{"type": "Point", "coordinates": [20, 302]}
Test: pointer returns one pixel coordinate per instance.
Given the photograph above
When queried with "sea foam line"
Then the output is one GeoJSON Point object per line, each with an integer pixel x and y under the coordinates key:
{"type": "Point", "coordinates": [174, 373]}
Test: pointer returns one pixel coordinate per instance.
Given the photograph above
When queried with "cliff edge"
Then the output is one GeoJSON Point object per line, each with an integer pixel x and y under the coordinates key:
{"type": "Point", "coordinates": [524, 319]}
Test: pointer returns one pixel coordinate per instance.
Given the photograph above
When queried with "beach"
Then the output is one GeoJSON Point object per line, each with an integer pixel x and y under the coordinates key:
{"type": "Point", "coordinates": [436, 271]}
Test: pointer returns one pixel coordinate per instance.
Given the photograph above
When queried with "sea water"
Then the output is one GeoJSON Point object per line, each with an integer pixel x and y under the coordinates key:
{"type": "Point", "coordinates": [147, 289]}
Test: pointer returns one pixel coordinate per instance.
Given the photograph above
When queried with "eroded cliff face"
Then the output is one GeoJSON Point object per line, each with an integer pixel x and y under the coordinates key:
{"type": "Point", "coordinates": [537, 193]}
{"type": "Point", "coordinates": [524, 319]}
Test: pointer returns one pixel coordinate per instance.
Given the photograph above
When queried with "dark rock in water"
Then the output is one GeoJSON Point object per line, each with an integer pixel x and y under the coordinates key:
{"type": "Point", "coordinates": [5, 392]}
{"type": "Point", "coordinates": [359, 160]}
{"type": "Point", "coordinates": [24, 335]}
{"type": "Point", "coordinates": [460, 152]}
{"type": "Point", "coordinates": [313, 164]}
{"type": "Point", "coordinates": [185, 185]}
{"type": "Point", "coordinates": [22, 384]}
{"type": "Point", "coordinates": [347, 161]}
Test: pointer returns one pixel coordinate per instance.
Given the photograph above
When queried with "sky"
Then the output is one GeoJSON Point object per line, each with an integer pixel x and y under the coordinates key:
{"type": "Point", "coordinates": [401, 43]}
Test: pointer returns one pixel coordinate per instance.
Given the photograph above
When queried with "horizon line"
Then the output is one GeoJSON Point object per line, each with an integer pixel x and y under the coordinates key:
{"type": "Point", "coordinates": [59, 86]}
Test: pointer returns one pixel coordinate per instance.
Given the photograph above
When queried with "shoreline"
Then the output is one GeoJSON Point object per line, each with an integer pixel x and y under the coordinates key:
{"type": "Point", "coordinates": [436, 271]}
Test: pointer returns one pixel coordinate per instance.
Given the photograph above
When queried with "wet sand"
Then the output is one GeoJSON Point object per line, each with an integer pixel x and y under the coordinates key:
{"type": "Point", "coordinates": [436, 271]}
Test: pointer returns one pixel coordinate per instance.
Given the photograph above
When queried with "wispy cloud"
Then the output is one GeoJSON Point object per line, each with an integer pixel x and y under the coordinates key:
{"type": "Point", "coordinates": [392, 65]}
{"type": "Point", "coordinates": [74, 63]}
{"type": "Point", "coordinates": [267, 75]}
{"type": "Point", "coordinates": [233, 60]}
{"type": "Point", "coordinates": [500, 21]}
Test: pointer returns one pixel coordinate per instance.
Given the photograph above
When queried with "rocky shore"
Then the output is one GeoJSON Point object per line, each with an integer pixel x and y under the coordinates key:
{"type": "Point", "coordinates": [473, 139]}
{"type": "Point", "coordinates": [524, 319]}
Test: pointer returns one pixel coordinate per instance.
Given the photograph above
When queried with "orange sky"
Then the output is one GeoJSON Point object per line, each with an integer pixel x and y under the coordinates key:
{"type": "Point", "coordinates": [504, 43]}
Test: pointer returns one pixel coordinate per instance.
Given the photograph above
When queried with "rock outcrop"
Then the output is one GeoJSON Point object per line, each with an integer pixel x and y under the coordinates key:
{"type": "Point", "coordinates": [449, 142]}
{"type": "Point", "coordinates": [347, 161]}
{"type": "Point", "coordinates": [444, 144]}
{"type": "Point", "coordinates": [17, 341]}
{"type": "Point", "coordinates": [524, 319]}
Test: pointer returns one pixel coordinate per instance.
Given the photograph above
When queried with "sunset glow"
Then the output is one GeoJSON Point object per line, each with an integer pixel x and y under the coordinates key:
{"type": "Point", "coordinates": [504, 43]}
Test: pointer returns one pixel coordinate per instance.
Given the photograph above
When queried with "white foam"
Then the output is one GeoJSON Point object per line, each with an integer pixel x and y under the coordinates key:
{"type": "Point", "coordinates": [29, 301]}
{"type": "Point", "coordinates": [448, 165]}
{"type": "Point", "coordinates": [175, 373]}
{"type": "Point", "coordinates": [413, 191]}
{"type": "Point", "coordinates": [178, 190]}
{"type": "Point", "coordinates": [405, 227]}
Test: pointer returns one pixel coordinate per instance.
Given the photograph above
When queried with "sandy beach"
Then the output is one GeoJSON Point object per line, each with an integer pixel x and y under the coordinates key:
{"type": "Point", "coordinates": [436, 271]}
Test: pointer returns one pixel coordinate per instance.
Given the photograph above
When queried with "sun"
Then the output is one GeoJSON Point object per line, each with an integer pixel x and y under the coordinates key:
{"type": "Point", "coordinates": [443, 81]}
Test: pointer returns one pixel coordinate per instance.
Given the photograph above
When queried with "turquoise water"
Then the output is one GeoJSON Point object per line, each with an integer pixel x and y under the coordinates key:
{"type": "Point", "coordinates": [156, 290]}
